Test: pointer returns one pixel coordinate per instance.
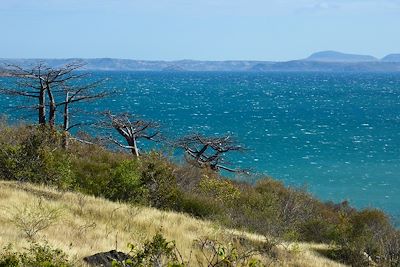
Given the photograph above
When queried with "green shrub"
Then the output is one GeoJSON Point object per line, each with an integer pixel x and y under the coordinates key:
{"type": "Point", "coordinates": [159, 179]}
{"type": "Point", "coordinates": [34, 156]}
{"type": "Point", "coordinates": [147, 180]}
{"type": "Point", "coordinates": [92, 169]}
{"type": "Point", "coordinates": [37, 255]}
{"type": "Point", "coordinates": [220, 190]}
{"type": "Point", "coordinates": [358, 237]}
{"type": "Point", "coordinates": [316, 230]}
{"type": "Point", "coordinates": [92, 177]}
{"type": "Point", "coordinates": [9, 258]}
{"type": "Point", "coordinates": [258, 210]}
{"type": "Point", "coordinates": [126, 183]}
{"type": "Point", "coordinates": [57, 169]}
{"type": "Point", "coordinates": [199, 206]}
{"type": "Point", "coordinates": [233, 253]}
{"type": "Point", "coordinates": [160, 252]}
{"type": "Point", "coordinates": [10, 162]}
{"type": "Point", "coordinates": [155, 252]}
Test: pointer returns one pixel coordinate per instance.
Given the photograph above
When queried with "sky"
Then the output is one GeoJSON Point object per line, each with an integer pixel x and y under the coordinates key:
{"type": "Point", "coordinates": [275, 30]}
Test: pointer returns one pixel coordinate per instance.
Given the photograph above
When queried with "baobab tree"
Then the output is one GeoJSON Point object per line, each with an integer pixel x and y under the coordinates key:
{"type": "Point", "coordinates": [74, 94]}
{"type": "Point", "coordinates": [53, 88]}
{"type": "Point", "coordinates": [208, 152]}
{"type": "Point", "coordinates": [31, 84]}
{"type": "Point", "coordinates": [131, 129]}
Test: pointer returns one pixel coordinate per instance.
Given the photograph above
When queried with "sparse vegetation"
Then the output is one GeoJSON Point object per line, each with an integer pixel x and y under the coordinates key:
{"type": "Point", "coordinates": [267, 207]}
{"type": "Point", "coordinates": [155, 252]}
{"type": "Point", "coordinates": [101, 225]}
{"type": "Point", "coordinates": [36, 255]}
{"type": "Point", "coordinates": [33, 217]}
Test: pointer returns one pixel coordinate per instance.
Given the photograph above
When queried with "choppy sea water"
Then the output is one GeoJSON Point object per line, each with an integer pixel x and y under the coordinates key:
{"type": "Point", "coordinates": [338, 134]}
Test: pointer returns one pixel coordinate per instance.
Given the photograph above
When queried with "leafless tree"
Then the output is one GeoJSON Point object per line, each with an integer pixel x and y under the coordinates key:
{"type": "Point", "coordinates": [59, 87]}
{"type": "Point", "coordinates": [39, 81]}
{"type": "Point", "coordinates": [131, 129]}
{"type": "Point", "coordinates": [209, 152]}
{"type": "Point", "coordinates": [75, 94]}
{"type": "Point", "coordinates": [30, 84]}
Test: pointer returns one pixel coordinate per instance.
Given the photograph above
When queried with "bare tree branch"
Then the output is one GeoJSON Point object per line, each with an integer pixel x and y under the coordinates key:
{"type": "Point", "coordinates": [131, 129]}
{"type": "Point", "coordinates": [208, 152]}
{"type": "Point", "coordinates": [36, 81]}
{"type": "Point", "coordinates": [49, 85]}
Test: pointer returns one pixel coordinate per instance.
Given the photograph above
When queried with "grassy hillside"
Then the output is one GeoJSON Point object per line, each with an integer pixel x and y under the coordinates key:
{"type": "Point", "coordinates": [87, 225]}
{"type": "Point", "coordinates": [32, 156]}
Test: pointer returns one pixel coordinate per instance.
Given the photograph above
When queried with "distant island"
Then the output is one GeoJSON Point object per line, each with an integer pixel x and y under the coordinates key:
{"type": "Point", "coordinates": [392, 58]}
{"type": "Point", "coordinates": [334, 56]}
{"type": "Point", "coordinates": [325, 61]}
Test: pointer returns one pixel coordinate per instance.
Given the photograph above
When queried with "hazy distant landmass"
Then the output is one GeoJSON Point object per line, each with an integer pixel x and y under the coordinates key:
{"type": "Point", "coordinates": [333, 56]}
{"type": "Point", "coordinates": [328, 61]}
{"type": "Point", "coordinates": [392, 58]}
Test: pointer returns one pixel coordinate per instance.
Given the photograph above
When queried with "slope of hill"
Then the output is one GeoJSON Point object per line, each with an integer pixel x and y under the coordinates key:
{"type": "Point", "coordinates": [88, 225]}
{"type": "Point", "coordinates": [392, 58]}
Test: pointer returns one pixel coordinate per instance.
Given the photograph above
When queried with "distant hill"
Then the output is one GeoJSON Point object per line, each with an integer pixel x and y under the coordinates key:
{"type": "Point", "coordinates": [392, 58]}
{"type": "Point", "coordinates": [334, 56]}
{"type": "Point", "coordinates": [113, 64]}
{"type": "Point", "coordinates": [319, 66]}
{"type": "Point", "coordinates": [327, 61]}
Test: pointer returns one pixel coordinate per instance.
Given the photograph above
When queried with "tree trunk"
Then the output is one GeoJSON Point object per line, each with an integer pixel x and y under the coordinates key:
{"type": "Point", "coordinates": [42, 107]}
{"type": "Point", "coordinates": [52, 107]}
{"type": "Point", "coordinates": [65, 137]}
{"type": "Point", "coordinates": [134, 149]}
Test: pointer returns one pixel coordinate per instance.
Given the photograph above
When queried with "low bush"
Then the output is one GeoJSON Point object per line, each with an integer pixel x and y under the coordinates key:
{"type": "Point", "coordinates": [126, 183]}
{"type": "Point", "coordinates": [358, 238]}
{"type": "Point", "coordinates": [92, 167]}
{"type": "Point", "coordinates": [317, 230]}
{"type": "Point", "coordinates": [221, 190]}
{"type": "Point", "coordinates": [37, 255]}
{"type": "Point", "coordinates": [34, 156]}
{"type": "Point", "coordinates": [155, 252]}
{"type": "Point", "coordinates": [157, 174]}
{"type": "Point", "coordinates": [33, 218]}
{"type": "Point", "coordinates": [199, 206]}
{"type": "Point", "coordinates": [160, 252]}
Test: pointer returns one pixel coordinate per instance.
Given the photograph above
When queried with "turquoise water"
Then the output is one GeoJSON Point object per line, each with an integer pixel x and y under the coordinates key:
{"type": "Point", "coordinates": [338, 134]}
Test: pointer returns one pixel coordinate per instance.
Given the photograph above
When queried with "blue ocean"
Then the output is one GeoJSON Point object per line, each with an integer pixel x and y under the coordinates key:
{"type": "Point", "coordinates": [337, 134]}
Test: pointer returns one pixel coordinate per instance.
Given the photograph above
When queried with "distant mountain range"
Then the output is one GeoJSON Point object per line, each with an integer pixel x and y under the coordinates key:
{"type": "Point", "coordinates": [329, 61]}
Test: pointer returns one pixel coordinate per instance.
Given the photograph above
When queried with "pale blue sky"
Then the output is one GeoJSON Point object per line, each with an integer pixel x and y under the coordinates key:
{"type": "Point", "coordinates": [197, 29]}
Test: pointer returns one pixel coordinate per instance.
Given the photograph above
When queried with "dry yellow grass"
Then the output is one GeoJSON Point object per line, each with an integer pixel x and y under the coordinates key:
{"type": "Point", "coordinates": [87, 225]}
